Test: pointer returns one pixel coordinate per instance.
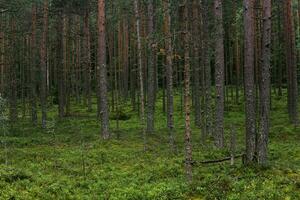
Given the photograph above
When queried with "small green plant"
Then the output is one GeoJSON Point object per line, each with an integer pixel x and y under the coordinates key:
{"type": "Point", "coordinates": [50, 129]}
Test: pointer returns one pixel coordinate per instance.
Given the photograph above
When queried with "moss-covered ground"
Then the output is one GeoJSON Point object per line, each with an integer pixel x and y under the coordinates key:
{"type": "Point", "coordinates": [70, 161]}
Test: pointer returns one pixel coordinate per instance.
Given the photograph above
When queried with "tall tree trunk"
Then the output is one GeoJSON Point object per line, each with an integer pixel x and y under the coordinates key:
{"type": "Point", "coordinates": [249, 79]}
{"type": "Point", "coordinates": [78, 60]}
{"type": "Point", "coordinates": [236, 53]}
{"type": "Point", "coordinates": [59, 68]}
{"type": "Point", "coordinates": [13, 111]}
{"type": "Point", "coordinates": [207, 118]}
{"type": "Point", "coordinates": [280, 38]}
{"type": "Point", "coordinates": [220, 74]}
{"type": "Point", "coordinates": [169, 72]}
{"type": "Point", "coordinates": [196, 62]}
{"type": "Point", "coordinates": [87, 60]}
{"type": "Point", "coordinates": [102, 68]}
{"type": "Point", "coordinates": [43, 65]}
{"type": "Point", "coordinates": [66, 95]}
{"type": "Point", "coordinates": [265, 84]}
{"type": "Point", "coordinates": [140, 69]}
{"type": "Point", "coordinates": [33, 66]}
{"type": "Point", "coordinates": [2, 52]}
{"type": "Point", "coordinates": [187, 109]}
{"type": "Point", "coordinates": [290, 50]}
{"type": "Point", "coordinates": [151, 69]}
{"type": "Point", "coordinates": [125, 57]}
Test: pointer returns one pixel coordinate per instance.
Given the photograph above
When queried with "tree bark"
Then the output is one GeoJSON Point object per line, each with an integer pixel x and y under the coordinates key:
{"type": "Point", "coordinates": [290, 49]}
{"type": "Point", "coordinates": [140, 69]}
{"type": "Point", "coordinates": [13, 111]}
{"type": "Point", "coordinates": [59, 68]}
{"type": "Point", "coordinates": [2, 52]}
{"type": "Point", "coordinates": [169, 72]}
{"type": "Point", "coordinates": [33, 66]}
{"type": "Point", "coordinates": [265, 84]}
{"type": "Point", "coordinates": [249, 79]}
{"type": "Point", "coordinates": [219, 75]}
{"type": "Point", "coordinates": [102, 68]}
{"type": "Point", "coordinates": [43, 65]}
{"type": "Point", "coordinates": [187, 109]}
{"type": "Point", "coordinates": [207, 118]}
{"type": "Point", "coordinates": [87, 60]}
{"type": "Point", "coordinates": [196, 62]}
{"type": "Point", "coordinates": [151, 69]}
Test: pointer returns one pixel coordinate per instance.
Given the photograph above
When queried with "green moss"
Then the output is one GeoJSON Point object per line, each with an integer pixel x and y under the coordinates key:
{"type": "Point", "coordinates": [70, 161]}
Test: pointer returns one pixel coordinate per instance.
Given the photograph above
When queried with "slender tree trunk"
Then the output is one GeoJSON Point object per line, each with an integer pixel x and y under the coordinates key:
{"type": "Point", "coordinates": [249, 79]}
{"type": "Point", "coordinates": [60, 64]}
{"type": "Point", "coordinates": [219, 73]}
{"type": "Point", "coordinates": [280, 37]}
{"type": "Point", "coordinates": [196, 61]}
{"type": "Point", "coordinates": [66, 94]}
{"type": "Point", "coordinates": [236, 53]}
{"type": "Point", "coordinates": [43, 64]}
{"type": "Point", "coordinates": [125, 57]}
{"type": "Point", "coordinates": [290, 50]}
{"type": "Point", "coordinates": [169, 72]}
{"type": "Point", "coordinates": [2, 52]}
{"type": "Point", "coordinates": [13, 111]}
{"type": "Point", "coordinates": [151, 69]}
{"type": "Point", "coordinates": [140, 69]}
{"type": "Point", "coordinates": [265, 84]}
{"type": "Point", "coordinates": [207, 118]}
{"type": "Point", "coordinates": [87, 60]}
{"type": "Point", "coordinates": [187, 109]}
{"type": "Point", "coordinates": [78, 58]}
{"type": "Point", "coordinates": [102, 68]}
{"type": "Point", "coordinates": [33, 66]}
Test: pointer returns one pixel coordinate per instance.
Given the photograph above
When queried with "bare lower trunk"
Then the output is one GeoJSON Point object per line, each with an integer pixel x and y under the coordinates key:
{"type": "Point", "coordinates": [219, 74]}
{"type": "Point", "coordinates": [187, 109]}
{"type": "Point", "coordinates": [140, 69]}
{"type": "Point", "coordinates": [87, 61]}
{"type": "Point", "coordinates": [13, 111]}
{"type": "Point", "coordinates": [207, 117]}
{"type": "Point", "coordinates": [291, 62]}
{"type": "Point", "coordinates": [33, 67]}
{"type": "Point", "coordinates": [196, 63]}
{"type": "Point", "coordinates": [265, 84]}
{"type": "Point", "coordinates": [102, 67]}
{"type": "Point", "coordinates": [59, 67]}
{"type": "Point", "coordinates": [2, 52]}
{"type": "Point", "coordinates": [43, 65]}
{"type": "Point", "coordinates": [249, 79]}
{"type": "Point", "coordinates": [151, 72]}
{"type": "Point", "coordinates": [169, 72]}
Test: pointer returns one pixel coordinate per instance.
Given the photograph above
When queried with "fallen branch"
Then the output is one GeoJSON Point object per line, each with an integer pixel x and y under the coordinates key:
{"type": "Point", "coordinates": [3, 11]}
{"type": "Point", "coordinates": [215, 161]}
{"type": "Point", "coordinates": [220, 160]}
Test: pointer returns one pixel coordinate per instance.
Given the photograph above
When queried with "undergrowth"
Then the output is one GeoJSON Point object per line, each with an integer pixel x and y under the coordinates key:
{"type": "Point", "coordinates": [69, 160]}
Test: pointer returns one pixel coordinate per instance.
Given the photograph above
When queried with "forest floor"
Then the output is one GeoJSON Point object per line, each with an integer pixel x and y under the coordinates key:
{"type": "Point", "coordinates": [70, 161]}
